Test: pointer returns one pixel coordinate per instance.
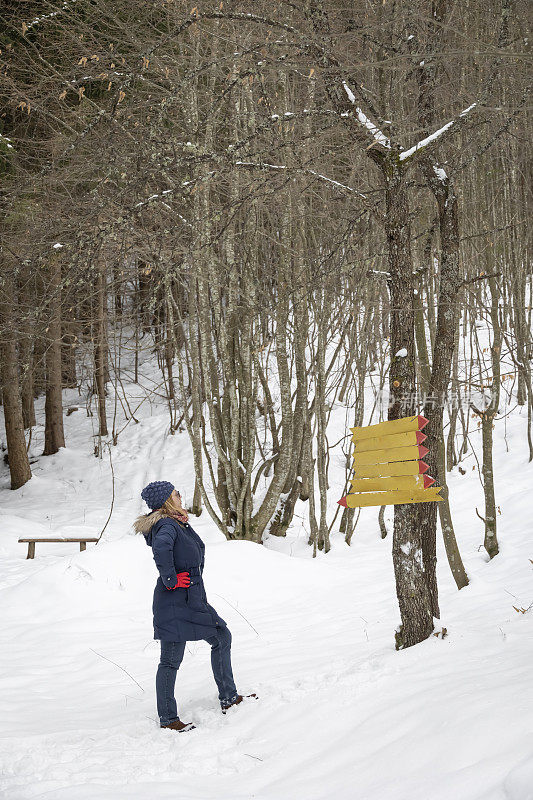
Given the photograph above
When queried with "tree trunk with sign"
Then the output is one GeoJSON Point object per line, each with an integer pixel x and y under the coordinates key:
{"type": "Point", "coordinates": [411, 584]}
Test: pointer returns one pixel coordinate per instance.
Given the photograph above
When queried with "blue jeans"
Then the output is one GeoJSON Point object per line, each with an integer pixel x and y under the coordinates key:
{"type": "Point", "coordinates": [171, 658]}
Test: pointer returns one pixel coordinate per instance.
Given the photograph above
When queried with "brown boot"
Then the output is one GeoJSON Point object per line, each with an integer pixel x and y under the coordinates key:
{"type": "Point", "coordinates": [180, 726]}
{"type": "Point", "coordinates": [238, 700]}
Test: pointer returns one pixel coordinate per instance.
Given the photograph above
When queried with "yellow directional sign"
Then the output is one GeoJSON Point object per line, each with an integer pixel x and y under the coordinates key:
{"type": "Point", "coordinates": [386, 442]}
{"type": "Point", "coordinates": [407, 482]}
{"type": "Point", "coordinates": [415, 423]}
{"type": "Point", "coordinates": [387, 465]}
{"type": "Point", "coordinates": [412, 453]}
{"type": "Point", "coordinates": [362, 499]}
{"type": "Point", "coordinates": [387, 470]}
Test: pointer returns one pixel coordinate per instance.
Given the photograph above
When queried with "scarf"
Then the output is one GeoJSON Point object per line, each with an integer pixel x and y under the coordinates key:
{"type": "Point", "coordinates": [180, 517]}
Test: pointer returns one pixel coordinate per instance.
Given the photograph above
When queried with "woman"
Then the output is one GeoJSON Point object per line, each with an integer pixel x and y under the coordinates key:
{"type": "Point", "coordinates": [181, 611]}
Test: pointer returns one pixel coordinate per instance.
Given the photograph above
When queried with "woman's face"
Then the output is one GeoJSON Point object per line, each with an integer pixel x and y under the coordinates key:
{"type": "Point", "coordinates": [176, 499]}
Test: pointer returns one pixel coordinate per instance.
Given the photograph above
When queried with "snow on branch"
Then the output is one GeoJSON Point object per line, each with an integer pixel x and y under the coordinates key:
{"type": "Point", "coordinates": [440, 173]}
{"type": "Point", "coordinates": [335, 183]}
{"type": "Point", "coordinates": [262, 165]}
{"type": "Point", "coordinates": [160, 197]}
{"type": "Point", "coordinates": [305, 171]}
{"type": "Point", "coordinates": [432, 137]}
{"type": "Point", "coordinates": [6, 142]}
{"type": "Point", "coordinates": [153, 197]}
{"type": "Point", "coordinates": [377, 135]}
{"type": "Point", "coordinates": [27, 25]}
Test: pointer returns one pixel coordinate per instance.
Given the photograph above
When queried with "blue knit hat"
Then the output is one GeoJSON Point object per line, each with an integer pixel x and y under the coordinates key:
{"type": "Point", "coordinates": [155, 494]}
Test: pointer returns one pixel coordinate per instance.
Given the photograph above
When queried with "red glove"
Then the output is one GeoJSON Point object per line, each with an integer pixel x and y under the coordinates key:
{"type": "Point", "coordinates": [184, 581]}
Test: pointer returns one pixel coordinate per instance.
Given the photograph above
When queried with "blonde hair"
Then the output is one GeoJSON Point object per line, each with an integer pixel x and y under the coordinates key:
{"type": "Point", "coordinates": [168, 507]}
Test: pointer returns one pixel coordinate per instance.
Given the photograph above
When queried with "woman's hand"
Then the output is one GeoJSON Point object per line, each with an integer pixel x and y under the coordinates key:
{"type": "Point", "coordinates": [184, 581]}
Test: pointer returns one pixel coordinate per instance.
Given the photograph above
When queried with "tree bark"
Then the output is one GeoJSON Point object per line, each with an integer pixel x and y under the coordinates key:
{"type": "Point", "coordinates": [54, 436]}
{"type": "Point", "coordinates": [443, 330]}
{"type": "Point", "coordinates": [100, 346]}
{"type": "Point", "coordinates": [19, 465]}
{"type": "Point", "coordinates": [411, 581]}
{"type": "Point", "coordinates": [447, 321]}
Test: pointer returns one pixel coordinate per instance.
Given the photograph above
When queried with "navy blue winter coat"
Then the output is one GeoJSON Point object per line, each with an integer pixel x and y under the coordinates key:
{"type": "Point", "coordinates": [180, 615]}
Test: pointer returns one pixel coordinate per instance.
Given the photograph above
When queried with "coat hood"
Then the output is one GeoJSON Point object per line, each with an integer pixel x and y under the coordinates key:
{"type": "Point", "coordinates": [145, 523]}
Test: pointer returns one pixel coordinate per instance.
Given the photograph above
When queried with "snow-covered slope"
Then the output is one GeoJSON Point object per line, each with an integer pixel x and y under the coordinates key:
{"type": "Point", "coordinates": [340, 713]}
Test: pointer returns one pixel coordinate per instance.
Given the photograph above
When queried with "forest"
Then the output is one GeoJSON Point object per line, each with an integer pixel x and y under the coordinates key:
{"type": "Point", "coordinates": [231, 232]}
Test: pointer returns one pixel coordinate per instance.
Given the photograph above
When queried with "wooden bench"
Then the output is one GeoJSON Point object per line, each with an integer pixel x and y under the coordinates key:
{"type": "Point", "coordinates": [31, 543]}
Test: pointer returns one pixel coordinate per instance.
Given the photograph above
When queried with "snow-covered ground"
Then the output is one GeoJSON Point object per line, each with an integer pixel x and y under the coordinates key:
{"type": "Point", "coordinates": [340, 713]}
